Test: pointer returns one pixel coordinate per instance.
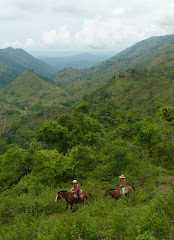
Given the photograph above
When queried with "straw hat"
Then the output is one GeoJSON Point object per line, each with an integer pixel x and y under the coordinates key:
{"type": "Point", "coordinates": [74, 181]}
{"type": "Point", "coordinates": [122, 176]}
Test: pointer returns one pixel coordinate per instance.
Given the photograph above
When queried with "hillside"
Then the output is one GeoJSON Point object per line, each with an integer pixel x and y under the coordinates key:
{"type": "Point", "coordinates": [147, 53]}
{"type": "Point", "coordinates": [8, 114]}
{"type": "Point", "coordinates": [123, 124]}
{"type": "Point", "coordinates": [137, 90]}
{"type": "Point", "coordinates": [20, 61]}
{"type": "Point", "coordinates": [29, 90]}
{"type": "Point", "coordinates": [68, 75]}
{"type": "Point", "coordinates": [82, 60]}
{"type": "Point", "coordinates": [6, 75]}
{"type": "Point", "coordinates": [152, 52]}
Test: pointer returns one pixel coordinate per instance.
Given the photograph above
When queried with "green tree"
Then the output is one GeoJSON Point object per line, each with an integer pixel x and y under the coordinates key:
{"type": "Point", "coordinates": [13, 166]}
{"type": "Point", "coordinates": [54, 135]}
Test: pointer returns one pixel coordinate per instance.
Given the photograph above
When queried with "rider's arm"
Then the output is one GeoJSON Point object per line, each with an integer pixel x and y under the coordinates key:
{"type": "Point", "coordinates": [75, 190]}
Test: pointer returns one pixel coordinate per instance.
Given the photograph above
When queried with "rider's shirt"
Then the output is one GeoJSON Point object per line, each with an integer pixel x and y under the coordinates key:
{"type": "Point", "coordinates": [122, 182]}
{"type": "Point", "coordinates": [76, 187]}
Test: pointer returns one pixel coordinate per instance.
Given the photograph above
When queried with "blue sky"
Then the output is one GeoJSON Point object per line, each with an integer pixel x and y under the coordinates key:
{"type": "Point", "coordinates": [80, 25]}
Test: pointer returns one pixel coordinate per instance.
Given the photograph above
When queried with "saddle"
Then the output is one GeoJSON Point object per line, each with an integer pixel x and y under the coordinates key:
{"type": "Point", "coordinates": [75, 195]}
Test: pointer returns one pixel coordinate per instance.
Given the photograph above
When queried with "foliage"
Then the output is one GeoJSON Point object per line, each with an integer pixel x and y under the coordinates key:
{"type": "Point", "coordinates": [122, 127]}
{"type": "Point", "coordinates": [70, 130]}
{"type": "Point", "coordinates": [166, 113]}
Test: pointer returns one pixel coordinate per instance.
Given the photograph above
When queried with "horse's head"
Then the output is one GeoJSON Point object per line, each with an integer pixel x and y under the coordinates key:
{"type": "Point", "coordinates": [58, 197]}
{"type": "Point", "coordinates": [106, 193]}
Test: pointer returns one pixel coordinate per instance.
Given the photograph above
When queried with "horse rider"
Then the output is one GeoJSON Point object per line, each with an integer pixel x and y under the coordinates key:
{"type": "Point", "coordinates": [122, 183]}
{"type": "Point", "coordinates": [76, 189]}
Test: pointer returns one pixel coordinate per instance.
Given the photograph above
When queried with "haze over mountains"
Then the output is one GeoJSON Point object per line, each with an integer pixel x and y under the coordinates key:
{"type": "Point", "coordinates": [82, 60]}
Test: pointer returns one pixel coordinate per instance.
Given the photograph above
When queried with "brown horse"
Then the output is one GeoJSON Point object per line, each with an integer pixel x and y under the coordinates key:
{"type": "Point", "coordinates": [70, 199]}
{"type": "Point", "coordinates": [116, 193]}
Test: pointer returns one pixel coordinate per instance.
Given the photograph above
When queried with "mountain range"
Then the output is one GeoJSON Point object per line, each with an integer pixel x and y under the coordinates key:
{"type": "Point", "coordinates": [13, 62]}
{"type": "Point", "coordinates": [155, 56]}
{"type": "Point", "coordinates": [79, 61]}
{"type": "Point", "coordinates": [152, 52]}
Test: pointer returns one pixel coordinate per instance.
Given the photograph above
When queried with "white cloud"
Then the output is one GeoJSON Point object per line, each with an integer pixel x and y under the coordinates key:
{"type": "Point", "coordinates": [29, 42]}
{"type": "Point", "coordinates": [83, 25]}
{"type": "Point", "coordinates": [151, 30]}
{"type": "Point", "coordinates": [118, 11]}
{"type": "Point", "coordinates": [15, 44]}
{"type": "Point", "coordinates": [60, 37]}
{"type": "Point", "coordinates": [97, 33]}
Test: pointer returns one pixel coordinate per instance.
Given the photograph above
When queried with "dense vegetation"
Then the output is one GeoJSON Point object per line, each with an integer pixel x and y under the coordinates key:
{"type": "Point", "coordinates": [126, 125]}
{"type": "Point", "coordinates": [78, 146]}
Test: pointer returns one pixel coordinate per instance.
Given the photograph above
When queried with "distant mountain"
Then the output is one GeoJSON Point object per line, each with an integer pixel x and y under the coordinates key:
{"type": "Point", "coordinates": [20, 61]}
{"type": "Point", "coordinates": [82, 60]}
{"type": "Point", "coordinates": [152, 52]}
{"type": "Point", "coordinates": [29, 90]}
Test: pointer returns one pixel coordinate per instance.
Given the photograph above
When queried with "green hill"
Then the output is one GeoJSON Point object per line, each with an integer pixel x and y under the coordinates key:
{"type": "Point", "coordinates": [6, 75]}
{"type": "Point", "coordinates": [138, 90]}
{"type": "Point", "coordinates": [20, 61]}
{"type": "Point", "coordinates": [147, 53]}
{"type": "Point", "coordinates": [156, 54]}
{"type": "Point", "coordinates": [29, 90]}
{"type": "Point", "coordinates": [68, 75]}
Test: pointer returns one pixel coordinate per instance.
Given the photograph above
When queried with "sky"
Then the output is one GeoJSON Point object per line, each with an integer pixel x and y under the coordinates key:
{"type": "Point", "coordinates": [82, 25]}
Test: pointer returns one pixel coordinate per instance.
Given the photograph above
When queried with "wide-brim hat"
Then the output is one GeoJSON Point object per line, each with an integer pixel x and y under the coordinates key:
{"type": "Point", "coordinates": [74, 181]}
{"type": "Point", "coordinates": [122, 176]}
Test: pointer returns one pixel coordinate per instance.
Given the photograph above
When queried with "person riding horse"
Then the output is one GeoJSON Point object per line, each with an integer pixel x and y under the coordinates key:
{"type": "Point", "coordinates": [76, 189]}
{"type": "Point", "coordinates": [122, 183]}
{"type": "Point", "coordinates": [121, 190]}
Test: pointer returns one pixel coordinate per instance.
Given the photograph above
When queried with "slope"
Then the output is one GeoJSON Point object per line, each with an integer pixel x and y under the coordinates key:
{"type": "Point", "coordinates": [6, 75]}
{"type": "Point", "coordinates": [147, 53]}
{"type": "Point", "coordinates": [21, 61]}
{"type": "Point", "coordinates": [29, 90]}
{"type": "Point", "coordinates": [138, 90]}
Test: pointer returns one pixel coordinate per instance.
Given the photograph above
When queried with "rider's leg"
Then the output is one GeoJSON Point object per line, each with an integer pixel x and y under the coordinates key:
{"type": "Point", "coordinates": [79, 199]}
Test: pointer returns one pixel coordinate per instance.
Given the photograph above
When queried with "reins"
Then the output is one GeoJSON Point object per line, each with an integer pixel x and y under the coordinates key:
{"type": "Point", "coordinates": [68, 195]}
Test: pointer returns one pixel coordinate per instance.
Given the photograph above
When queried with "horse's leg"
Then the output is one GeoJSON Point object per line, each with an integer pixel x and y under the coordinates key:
{"type": "Point", "coordinates": [67, 205]}
{"type": "Point", "coordinates": [71, 206]}
{"type": "Point", "coordinates": [117, 194]}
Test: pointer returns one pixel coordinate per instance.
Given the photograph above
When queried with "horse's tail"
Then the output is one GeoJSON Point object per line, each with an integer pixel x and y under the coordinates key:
{"type": "Point", "coordinates": [90, 195]}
